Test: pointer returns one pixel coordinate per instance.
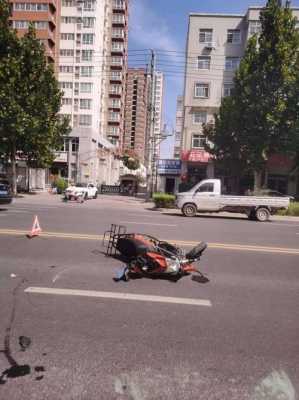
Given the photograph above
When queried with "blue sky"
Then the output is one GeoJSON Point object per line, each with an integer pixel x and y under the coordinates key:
{"type": "Point", "coordinates": [162, 25]}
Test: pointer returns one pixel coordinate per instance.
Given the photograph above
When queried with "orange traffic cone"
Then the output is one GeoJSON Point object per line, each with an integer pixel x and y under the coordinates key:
{"type": "Point", "coordinates": [36, 229]}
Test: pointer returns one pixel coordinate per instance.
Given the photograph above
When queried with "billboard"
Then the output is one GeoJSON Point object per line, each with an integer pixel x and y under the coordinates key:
{"type": "Point", "coordinates": [169, 167]}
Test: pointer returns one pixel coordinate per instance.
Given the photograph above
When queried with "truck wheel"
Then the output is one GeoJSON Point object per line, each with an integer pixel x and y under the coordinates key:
{"type": "Point", "coordinates": [262, 214]}
{"type": "Point", "coordinates": [95, 195]}
{"type": "Point", "coordinates": [189, 210]}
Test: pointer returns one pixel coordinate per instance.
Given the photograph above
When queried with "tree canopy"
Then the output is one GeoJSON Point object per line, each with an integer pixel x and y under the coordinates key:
{"type": "Point", "coordinates": [30, 127]}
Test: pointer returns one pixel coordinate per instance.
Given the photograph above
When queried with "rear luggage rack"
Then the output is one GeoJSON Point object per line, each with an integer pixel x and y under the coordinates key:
{"type": "Point", "coordinates": [111, 237]}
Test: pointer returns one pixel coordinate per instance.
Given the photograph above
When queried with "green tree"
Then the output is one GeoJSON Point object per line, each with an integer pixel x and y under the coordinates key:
{"type": "Point", "coordinates": [260, 113]}
{"type": "Point", "coordinates": [30, 127]}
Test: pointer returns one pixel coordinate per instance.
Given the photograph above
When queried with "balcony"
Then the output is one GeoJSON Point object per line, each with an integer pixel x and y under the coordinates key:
{"type": "Point", "coordinates": [118, 5]}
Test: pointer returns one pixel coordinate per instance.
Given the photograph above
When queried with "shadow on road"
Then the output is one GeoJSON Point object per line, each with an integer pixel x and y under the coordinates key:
{"type": "Point", "coordinates": [208, 217]}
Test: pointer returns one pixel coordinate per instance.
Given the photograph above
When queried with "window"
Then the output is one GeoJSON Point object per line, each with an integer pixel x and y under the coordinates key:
{"type": "Point", "coordinates": [88, 5]}
{"type": "Point", "coordinates": [119, 4]}
{"type": "Point", "coordinates": [113, 130]}
{"type": "Point", "coordinates": [202, 90]}
{"type": "Point", "coordinates": [66, 53]}
{"type": "Point", "coordinates": [117, 46]}
{"type": "Point", "coordinates": [75, 145]}
{"type": "Point", "coordinates": [85, 104]}
{"type": "Point", "coordinates": [234, 36]}
{"type": "Point", "coordinates": [88, 22]}
{"type": "Point", "coordinates": [117, 33]}
{"type": "Point", "coordinates": [68, 20]}
{"type": "Point", "coordinates": [204, 62]}
{"type": "Point", "coordinates": [66, 85]}
{"type": "Point", "coordinates": [87, 38]}
{"type": "Point", "coordinates": [200, 117]}
{"type": "Point", "coordinates": [115, 103]}
{"type": "Point", "coordinates": [31, 6]}
{"type": "Point", "coordinates": [85, 120]}
{"type": "Point", "coordinates": [67, 36]}
{"type": "Point", "coordinates": [66, 101]}
{"type": "Point", "coordinates": [206, 187]}
{"type": "Point", "coordinates": [118, 18]}
{"type": "Point", "coordinates": [66, 69]}
{"type": "Point", "coordinates": [227, 89]}
{"type": "Point", "coordinates": [255, 27]}
{"type": "Point", "coordinates": [68, 3]}
{"type": "Point", "coordinates": [115, 89]}
{"type": "Point", "coordinates": [205, 35]}
{"type": "Point", "coordinates": [232, 63]}
{"type": "Point", "coordinates": [116, 61]}
{"type": "Point", "coordinates": [18, 24]}
{"type": "Point", "coordinates": [114, 116]}
{"type": "Point", "coordinates": [116, 75]}
{"type": "Point", "coordinates": [86, 71]}
{"type": "Point", "coordinates": [87, 55]}
{"type": "Point", "coordinates": [198, 141]}
{"type": "Point", "coordinates": [85, 87]}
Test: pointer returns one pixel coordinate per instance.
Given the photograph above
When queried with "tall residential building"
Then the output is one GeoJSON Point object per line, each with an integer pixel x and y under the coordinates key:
{"type": "Point", "coordinates": [136, 111]}
{"type": "Point", "coordinates": [117, 68]}
{"type": "Point", "coordinates": [44, 14]}
{"type": "Point", "coordinates": [158, 109]}
{"type": "Point", "coordinates": [92, 66]}
{"type": "Point", "coordinates": [215, 46]}
{"type": "Point", "coordinates": [178, 127]}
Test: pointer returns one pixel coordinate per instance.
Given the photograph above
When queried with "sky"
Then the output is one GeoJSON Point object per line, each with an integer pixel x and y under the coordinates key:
{"type": "Point", "coordinates": [162, 25]}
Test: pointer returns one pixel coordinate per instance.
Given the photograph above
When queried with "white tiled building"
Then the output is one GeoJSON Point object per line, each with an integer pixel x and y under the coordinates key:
{"type": "Point", "coordinates": [215, 45]}
{"type": "Point", "coordinates": [91, 58]}
{"type": "Point", "coordinates": [158, 106]}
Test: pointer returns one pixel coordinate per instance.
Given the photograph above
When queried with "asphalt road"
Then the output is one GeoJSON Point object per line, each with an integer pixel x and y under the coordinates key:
{"type": "Point", "coordinates": [240, 343]}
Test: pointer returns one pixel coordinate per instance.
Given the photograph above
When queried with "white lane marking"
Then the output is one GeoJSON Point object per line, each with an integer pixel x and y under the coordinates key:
{"type": "Point", "coordinates": [119, 296]}
{"type": "Point", "coordinates": [143, 223]}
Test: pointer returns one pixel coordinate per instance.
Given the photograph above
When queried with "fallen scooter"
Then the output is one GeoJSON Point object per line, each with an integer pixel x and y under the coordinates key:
{"type": "Point", "coordinates": [147, 256]}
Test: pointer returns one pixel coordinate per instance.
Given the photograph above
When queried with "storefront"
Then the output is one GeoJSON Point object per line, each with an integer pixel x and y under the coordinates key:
{"type": "Point", "coordinates": [169, 172]}
{"type": "Point", "coordinates": [196, 166]}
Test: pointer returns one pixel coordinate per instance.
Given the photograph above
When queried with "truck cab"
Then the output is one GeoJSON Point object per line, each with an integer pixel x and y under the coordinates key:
{"type": "Point", "coordinates": [205, 196]}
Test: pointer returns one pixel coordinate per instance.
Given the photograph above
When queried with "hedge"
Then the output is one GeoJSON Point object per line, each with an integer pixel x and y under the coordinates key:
{"type": "Point", "coordinates": [293, 210]}
{"type": "Point", "coordinates": [163, 200]}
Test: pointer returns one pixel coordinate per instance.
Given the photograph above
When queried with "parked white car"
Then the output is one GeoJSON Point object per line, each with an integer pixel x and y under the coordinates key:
{"type": "Point", "coordinates": [81, 191]}
{"type": "Point", "coordinates": [206, 197]}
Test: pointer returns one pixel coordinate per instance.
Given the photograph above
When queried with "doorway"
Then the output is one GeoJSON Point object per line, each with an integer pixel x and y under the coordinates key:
{"type": "Point", "coordinates": [169, 185]}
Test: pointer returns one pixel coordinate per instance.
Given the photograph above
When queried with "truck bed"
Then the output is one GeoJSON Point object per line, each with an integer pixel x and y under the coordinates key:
{"type": "Point", "coordinates": [247, 201]}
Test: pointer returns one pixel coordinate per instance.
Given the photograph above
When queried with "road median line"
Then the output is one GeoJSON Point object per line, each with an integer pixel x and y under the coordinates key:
{"type": "Point", "coordinates": [220, 246]}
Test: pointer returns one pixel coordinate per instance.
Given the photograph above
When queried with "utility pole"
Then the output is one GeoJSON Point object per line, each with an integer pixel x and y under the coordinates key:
{"type": "Point", "coordinates": [150, 164]}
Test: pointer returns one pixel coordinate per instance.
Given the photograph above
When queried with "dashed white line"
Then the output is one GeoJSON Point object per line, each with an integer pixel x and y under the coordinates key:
{"type": "Point", "coordinates": [119, 296]}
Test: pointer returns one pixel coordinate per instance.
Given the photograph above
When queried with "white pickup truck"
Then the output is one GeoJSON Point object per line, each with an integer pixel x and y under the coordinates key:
{"type": "Point", "coordinates": [206, 197]}
{"type": "Point", "coordinates": [82, 191]}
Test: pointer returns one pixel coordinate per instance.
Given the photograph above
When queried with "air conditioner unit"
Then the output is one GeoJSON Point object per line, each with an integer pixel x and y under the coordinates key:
{"type": "Point", "coordinates": [210, 45]}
